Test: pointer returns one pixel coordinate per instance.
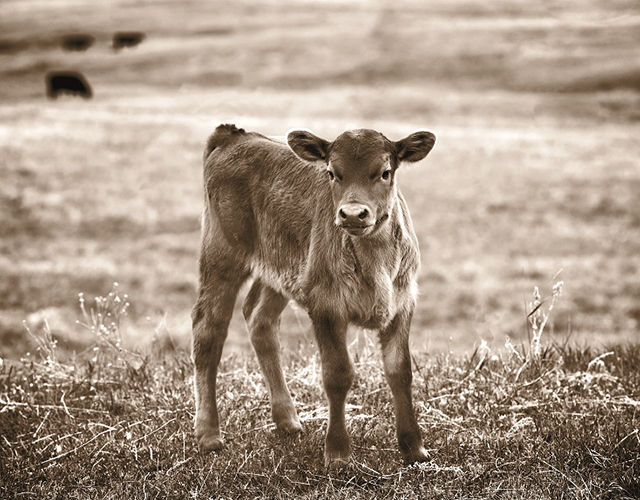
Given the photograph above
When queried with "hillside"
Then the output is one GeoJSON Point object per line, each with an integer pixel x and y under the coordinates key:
{"type": "Point", "coordinates": [535, 172]}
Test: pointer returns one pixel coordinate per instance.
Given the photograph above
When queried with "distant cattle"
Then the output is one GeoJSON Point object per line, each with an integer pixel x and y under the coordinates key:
{"type": "Point", "coordinates": [12, 46]}
{"type": "Point", "coordinates": [67, 82]}
{"type": "Point", "coordinates": [322, 223]}
{"type": "Point", "coordinates": [124, 39]}
{"type": "Point", "coordinates": [77, 42]}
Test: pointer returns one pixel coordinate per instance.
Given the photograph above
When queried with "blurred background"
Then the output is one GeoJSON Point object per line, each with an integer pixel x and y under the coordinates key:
{"type": "Point", "coordinates": [535, 177]}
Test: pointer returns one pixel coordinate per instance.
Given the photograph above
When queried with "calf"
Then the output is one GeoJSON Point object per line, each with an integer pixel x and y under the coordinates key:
{"type": "Point", "coordinates": [322, 223]}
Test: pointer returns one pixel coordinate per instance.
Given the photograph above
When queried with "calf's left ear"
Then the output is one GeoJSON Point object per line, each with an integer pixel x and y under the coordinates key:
{"type": "Point", "coordinates": [415, 146]}
{"type": "Point", "coordinates": [308, 146]}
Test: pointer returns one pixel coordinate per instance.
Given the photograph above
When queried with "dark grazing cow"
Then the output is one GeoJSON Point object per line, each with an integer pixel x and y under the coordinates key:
{"type": "Point", "coordinates": [9, 46]}
{"type": "Point", "coordinates": [124, 39]}
{"type": "Point", "coordinates": [77, 42]}
{"type": "Point", "coordinates": [67, 82]}
{"type": "Point", "coordinates": [322, 223]}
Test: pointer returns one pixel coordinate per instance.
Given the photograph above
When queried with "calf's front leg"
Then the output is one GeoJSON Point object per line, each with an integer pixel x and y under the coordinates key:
{"type": "Point", "coordinates": [394, 340]}
{"type": "Point", "coordinates": [337, 376]}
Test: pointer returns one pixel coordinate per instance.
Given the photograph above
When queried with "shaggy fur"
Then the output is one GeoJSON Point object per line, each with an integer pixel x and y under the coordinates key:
{"type": "Point", "coordinates": [335, 236]}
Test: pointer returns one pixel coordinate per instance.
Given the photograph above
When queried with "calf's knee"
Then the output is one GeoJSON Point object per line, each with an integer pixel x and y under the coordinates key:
{"type": "Point", "coordinates": [338, 379]}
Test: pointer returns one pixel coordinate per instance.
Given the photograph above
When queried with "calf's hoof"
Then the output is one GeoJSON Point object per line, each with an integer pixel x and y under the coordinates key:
{"type": "Point", "coordinates": [336, 463]}
{"type": "Point", "coordinates": [289, 426]}
{"type": "Point", "coordinates": [336, 458]}
{"type": "Point", "coordinates": [418, 454]}
{"type": "Point", "coordinates": [285, 418]}
{"type": "Point", "coordinates": [209, 441]}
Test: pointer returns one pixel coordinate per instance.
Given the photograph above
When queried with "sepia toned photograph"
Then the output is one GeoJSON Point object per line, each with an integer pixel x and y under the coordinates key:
{"type": "Point", "coordinates": [320, 250]}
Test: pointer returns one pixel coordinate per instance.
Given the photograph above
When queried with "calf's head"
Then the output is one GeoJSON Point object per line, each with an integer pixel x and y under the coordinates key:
{"type": "Point", "coordinates": [361, 170]}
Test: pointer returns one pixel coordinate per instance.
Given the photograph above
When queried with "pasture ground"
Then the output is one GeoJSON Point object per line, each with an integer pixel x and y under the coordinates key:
{"type": "Point", "coordinates": [561, 423]}
{"type": "Point", "coordinates": [536, 106]}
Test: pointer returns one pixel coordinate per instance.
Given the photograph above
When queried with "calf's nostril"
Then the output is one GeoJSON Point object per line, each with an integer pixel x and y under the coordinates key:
{"type": "Point", "coordinates": [363, 214]}
{"type": "Point", "coordinates": [342, 215]}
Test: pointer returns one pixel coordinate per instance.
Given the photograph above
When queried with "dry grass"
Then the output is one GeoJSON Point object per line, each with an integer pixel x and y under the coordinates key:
{"type": "Point", "coordinates": [547, 422]}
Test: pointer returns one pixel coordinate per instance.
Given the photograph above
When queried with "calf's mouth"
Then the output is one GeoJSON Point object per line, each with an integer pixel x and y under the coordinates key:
{"type": "Point", "coordinates": [363, 229]}
{"type": "Point", "coordinates": [357, 230]}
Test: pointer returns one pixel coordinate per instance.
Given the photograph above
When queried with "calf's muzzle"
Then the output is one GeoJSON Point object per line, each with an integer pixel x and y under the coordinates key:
{"type": "Point", "coordinates": [355, 218]}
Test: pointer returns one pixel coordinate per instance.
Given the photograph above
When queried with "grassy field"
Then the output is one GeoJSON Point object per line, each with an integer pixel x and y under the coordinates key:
{"type": "Point", "coordinates": [535, 178]}
{"type": "Point", "coordinates": [548, 423]}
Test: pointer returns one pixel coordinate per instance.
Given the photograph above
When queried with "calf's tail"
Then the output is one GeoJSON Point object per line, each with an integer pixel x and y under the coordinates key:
{"type": "Point", "coordinates": [221, 136]}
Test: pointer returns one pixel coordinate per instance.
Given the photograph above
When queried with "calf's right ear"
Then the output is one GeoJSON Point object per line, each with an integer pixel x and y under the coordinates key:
{"type": "Point", "coordinates": [308, 146]}
{"type": "Point", "coordinates": [416, 146]}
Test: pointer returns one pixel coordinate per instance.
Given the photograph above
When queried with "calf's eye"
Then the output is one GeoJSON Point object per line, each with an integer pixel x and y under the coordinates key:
{"type": "Point", "coordinates": [386, 174]}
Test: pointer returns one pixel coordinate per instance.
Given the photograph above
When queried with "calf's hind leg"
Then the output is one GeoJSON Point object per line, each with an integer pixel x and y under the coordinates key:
{"type": "Point", "coordinates": [262, 309]}
{"type": "Point", "coordinates": [211, 316]}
